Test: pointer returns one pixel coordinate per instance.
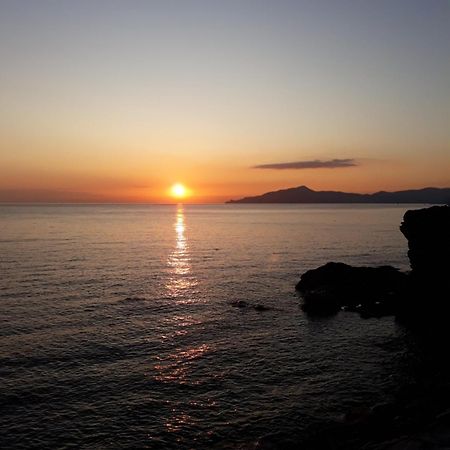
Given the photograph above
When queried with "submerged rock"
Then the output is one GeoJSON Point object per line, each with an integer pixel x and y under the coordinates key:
{"type": "Point", "coordinates": [259, 307]}
{"type": "Point", "coordinates": [239, 304]}
{"type": "Point", "coordinates": [370, 290]}
{"type": "Point", "coordinates": [244, 304]}
{"type": "Point", "coordinates": [133, 299]}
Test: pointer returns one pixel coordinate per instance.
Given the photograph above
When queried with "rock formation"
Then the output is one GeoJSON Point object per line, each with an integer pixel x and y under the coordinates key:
{"type": "Point", "coordinates": [417, 415]}
{"type": "Point", "coordinates": [370, 290]}
{"type": "Point", "coordinates": [377, 291]}
{"type": "Point", "coordinates": [428, 234]}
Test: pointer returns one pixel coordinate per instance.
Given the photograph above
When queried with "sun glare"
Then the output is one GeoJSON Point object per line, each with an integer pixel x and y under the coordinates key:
{"type": "Point", "coordinates": [178, 191]}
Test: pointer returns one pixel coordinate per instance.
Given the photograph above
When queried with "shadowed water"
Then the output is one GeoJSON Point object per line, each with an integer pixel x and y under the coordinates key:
{"type": "Point", "coordinates": [117, 329]}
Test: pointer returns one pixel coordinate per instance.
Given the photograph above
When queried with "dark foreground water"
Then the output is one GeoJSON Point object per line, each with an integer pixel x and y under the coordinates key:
{"type": "Point", "coordinates": [117, 329]}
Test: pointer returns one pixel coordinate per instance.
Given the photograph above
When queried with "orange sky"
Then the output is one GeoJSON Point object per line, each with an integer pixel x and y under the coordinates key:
{"type": "Point", "coordinates": [120, 106]}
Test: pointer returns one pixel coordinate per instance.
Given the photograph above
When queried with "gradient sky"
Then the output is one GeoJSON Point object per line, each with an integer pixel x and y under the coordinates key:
{"type": "Point", "coordinates": [117, 100]}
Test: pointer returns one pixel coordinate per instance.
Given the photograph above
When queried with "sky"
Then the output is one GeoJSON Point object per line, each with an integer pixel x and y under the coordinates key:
{"type": "Point", "coordinates": [118, 100]}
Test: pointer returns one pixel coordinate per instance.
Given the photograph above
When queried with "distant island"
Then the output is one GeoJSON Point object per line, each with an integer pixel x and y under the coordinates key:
{"type": "Point", "coordinates": [303, 194]}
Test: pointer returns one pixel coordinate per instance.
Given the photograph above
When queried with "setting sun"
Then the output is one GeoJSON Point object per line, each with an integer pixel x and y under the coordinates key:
{"type": "Point", "coordinates": [178, 191]}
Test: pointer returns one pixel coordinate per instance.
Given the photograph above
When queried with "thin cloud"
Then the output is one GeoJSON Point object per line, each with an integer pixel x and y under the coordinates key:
{"type": "Point", "coordinates": [315, 164]}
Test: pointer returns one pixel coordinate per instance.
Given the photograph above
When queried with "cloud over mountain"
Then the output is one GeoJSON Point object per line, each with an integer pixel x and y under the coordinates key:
{"type": "Point", "coordinates": [315, 164]}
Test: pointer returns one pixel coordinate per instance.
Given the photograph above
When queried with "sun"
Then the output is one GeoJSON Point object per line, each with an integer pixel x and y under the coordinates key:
{"type": "Point", "coordinates": [178, 191]}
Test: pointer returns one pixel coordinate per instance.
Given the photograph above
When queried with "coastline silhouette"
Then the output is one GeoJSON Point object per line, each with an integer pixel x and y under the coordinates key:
{"type": "Point", "coordinates": [303, 194]}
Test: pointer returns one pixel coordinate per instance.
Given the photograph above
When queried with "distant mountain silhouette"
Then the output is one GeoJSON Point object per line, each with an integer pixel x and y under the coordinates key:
{"type": "Point", "coordinates": [303, 194]}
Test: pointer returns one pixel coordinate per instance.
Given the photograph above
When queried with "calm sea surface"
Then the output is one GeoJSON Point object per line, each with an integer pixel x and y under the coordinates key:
{"type": "Point", "coordinates": [117, 329]}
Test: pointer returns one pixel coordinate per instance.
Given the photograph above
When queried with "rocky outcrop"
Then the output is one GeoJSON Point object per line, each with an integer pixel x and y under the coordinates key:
{"type": "Point", "coordinates": [372, 291]}
{"type": "Point", "coordinates": [428, 234]}
{"type": "Point", "coordinates": [428, 293]}
{"type": "Point", "coordinates": [417, 415]}
{"type": "Point", "coordinates": [378, 291]}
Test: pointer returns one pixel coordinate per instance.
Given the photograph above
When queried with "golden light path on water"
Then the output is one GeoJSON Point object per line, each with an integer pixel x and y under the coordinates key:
{"type": "Point", "coordinates": [176, 367]}
{"type": "Point", "coordinates": [179, 263]}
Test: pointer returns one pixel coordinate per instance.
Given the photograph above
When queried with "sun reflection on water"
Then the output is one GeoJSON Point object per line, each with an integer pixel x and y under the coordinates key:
{"type": "Point", "coordinates": [176, 367]}
{"type": "Point", "coordinates": [183, 356]}
{"type": "Point", "coordinates": [179, 263]}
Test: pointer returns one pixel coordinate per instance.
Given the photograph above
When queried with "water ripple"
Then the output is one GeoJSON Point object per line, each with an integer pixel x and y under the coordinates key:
{"type": "Point", "coordinates": [118, 332]}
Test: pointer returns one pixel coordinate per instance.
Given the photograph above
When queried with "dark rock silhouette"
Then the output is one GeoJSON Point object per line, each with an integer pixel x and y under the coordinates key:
{"type": "Point", "coordinates": [428, 234]}
{"type": "Point", "coordinates": [428, 291]}
{"type": "Point", "coordinates": [418, 414]}
{"type": "Point", "coordinates": [260, 307]}
{"type": "Point", "coordinates": [133, 299]}
{"type": "Point", "coordinates": [378, 291]}
{"type": "Point", "coordinates": [370, 290]}
{"type": "Point", "coordinates": [243, 304]}
{"type": "Point", "coordinates": [239, 304]}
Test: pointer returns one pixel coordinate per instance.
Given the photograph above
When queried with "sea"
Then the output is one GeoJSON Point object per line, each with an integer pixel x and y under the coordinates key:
{"type": "Point", "coordinates": [119, 326]}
